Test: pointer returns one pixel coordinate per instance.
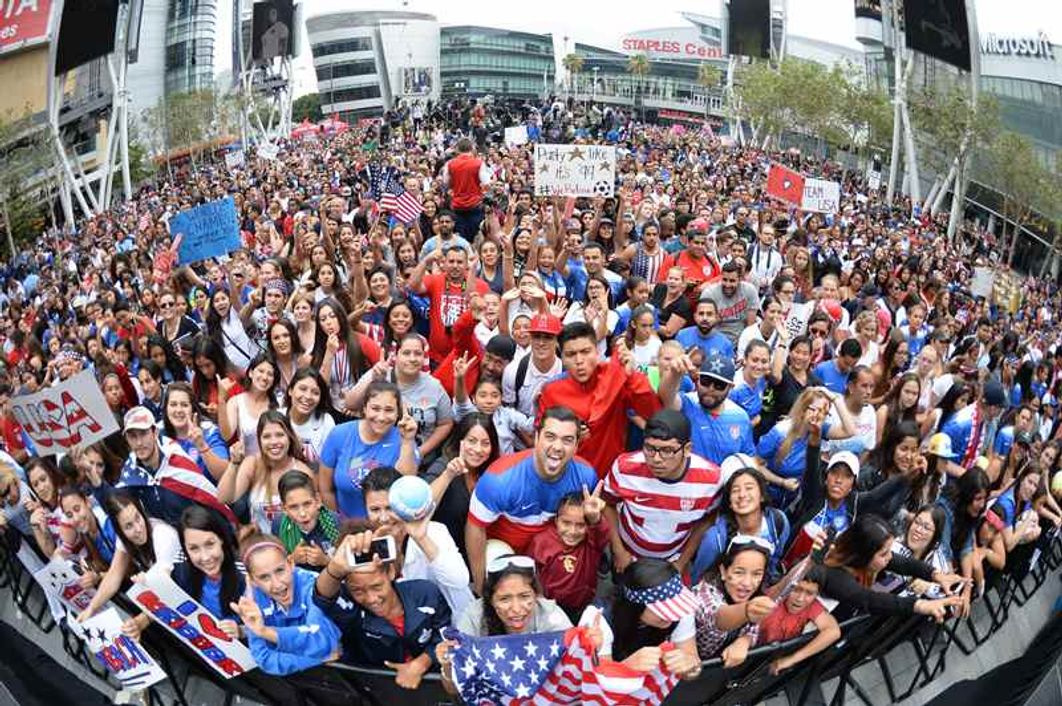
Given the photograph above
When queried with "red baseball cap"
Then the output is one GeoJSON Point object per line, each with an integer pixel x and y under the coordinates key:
{"type": "Point", "coordinates": [547, 324]}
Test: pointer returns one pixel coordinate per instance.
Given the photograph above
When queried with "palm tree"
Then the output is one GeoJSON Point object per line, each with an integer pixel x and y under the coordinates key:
{"type": "Point", "coordinates": [708, 77]}
{"type": "Point", "coordinates": [638, 65]}
{"type": "Point", "coordinates": [573, 64]}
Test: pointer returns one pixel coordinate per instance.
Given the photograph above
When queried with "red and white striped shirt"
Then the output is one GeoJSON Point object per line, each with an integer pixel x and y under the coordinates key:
{"type": "Point", "coordinates": [656, 515]}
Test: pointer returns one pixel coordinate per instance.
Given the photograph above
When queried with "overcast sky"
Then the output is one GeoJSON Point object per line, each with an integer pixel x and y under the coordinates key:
{"type": "Point", "coordinates": [603, 23]}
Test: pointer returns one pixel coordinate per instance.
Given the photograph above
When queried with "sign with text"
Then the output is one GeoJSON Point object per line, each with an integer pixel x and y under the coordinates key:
{"type": "Point", "coordinates": [516, 135]}
{"type": "Point", "coordinates": [267, 150]}
{"type": "Point", "coordinates": [59, 579]}
{"type": "Point", "coordinates": [23, 23]}
{"type": "Point", "coordinates": [69, 414]}
{"type": "Point", "coordinates": [821, 195]}
{"type": "Point", "coordinates": [575, 170]}
{"type": "Point", "coordinates": [234, 159]}
{"type": "Point", "coordinates": [121, 655]}
{"type": "Point", "coordinates": [209, 230]}
{"type": "Point", "coordinates": [169, 606]}
{"type": "Point", "coordinates": [984, 279]}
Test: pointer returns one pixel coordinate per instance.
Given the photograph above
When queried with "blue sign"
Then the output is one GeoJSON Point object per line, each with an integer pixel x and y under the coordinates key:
{"type": "Point", "coordinates": [209, 230]}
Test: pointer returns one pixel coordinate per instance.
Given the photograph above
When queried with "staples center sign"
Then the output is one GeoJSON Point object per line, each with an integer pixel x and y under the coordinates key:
{"type": "Point", "coordinates": [23, 22]}
{"type": "Point", "coordinates": [674, 48]}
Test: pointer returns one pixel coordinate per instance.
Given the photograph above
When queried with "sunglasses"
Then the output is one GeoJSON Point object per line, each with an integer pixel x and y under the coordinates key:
{"type": "Point", "coordinates": [819, 333]}
{"type": "Point", "coordinates": [713, 382]}
{"type": "Point", "coordinates": [748, 540]}
{"type": "Point", "coordinates": [518, 561]}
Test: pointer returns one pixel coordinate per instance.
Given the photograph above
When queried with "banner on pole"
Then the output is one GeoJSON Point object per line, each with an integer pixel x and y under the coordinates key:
{"type": "Point", "coordinates": [785, 184]}
{"type": "Point", "coordinates": [575, 170]}
{"type": "Point", "coordinates": [172, 608]}
{"type": "Point", "coordinates": [121, 655]}
{"type": "Point", "coordinates": [821, 195]}
{"type": "Point", "coordinates": [209, 230]}
{"type": "Point", "coordinates": [71, 413]}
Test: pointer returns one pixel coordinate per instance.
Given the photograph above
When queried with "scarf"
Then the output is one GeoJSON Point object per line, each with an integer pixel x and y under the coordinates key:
{"type": "Point", "coordinates": [291, 536]}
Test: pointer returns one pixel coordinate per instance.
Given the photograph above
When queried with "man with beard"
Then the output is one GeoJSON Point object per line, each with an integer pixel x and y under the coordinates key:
{"type": "Point", "coordinates": [720, 427]}
{"type": "Point", "coordinates": [736, 301]}
{"type": "Point", "coordinates": [448, 292]}
{"type": "Point", "coordinates": [447, 238]}
{"type": "Point", "coordinates": [703, 334]}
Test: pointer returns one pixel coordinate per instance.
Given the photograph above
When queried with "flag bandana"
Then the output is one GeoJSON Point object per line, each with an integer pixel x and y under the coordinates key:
{"type": "Point", "coordinates": [547, 669]}
{"type": "Point", "coordinates": [670, 601]}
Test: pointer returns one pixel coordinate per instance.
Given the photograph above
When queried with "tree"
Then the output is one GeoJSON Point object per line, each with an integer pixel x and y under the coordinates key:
{"type": "Point", "coordinates": [193, 121]}
{"type": "Point", "coordinates": [27, 177]}
{"type": "Point", "coordinates": [639, 66]}
{"type": "Point", "coordinates": [708, 77]}
{"type": "Point", "coordinates": [573, 64]}
{"type": "Point", "coordinates": [307, 107]}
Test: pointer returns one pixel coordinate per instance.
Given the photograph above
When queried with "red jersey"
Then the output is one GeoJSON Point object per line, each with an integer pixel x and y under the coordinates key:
{"type": "Point", "coordinates": [448, 302]}
{"type": "Point", "coordinates": [464, 338]}
{"type": "Point", "coordinates": [782, 625]}
{"type": "Point", "coordinates": [698, 272]}
{"type": "Point", "coordinates": [465, 189]}
{"type": "Point", "coordinates": [12, 432]}
{"type": "Point", "coordinates": [602, 403]}
{"type": "Point", "coordinates": [569, 574]}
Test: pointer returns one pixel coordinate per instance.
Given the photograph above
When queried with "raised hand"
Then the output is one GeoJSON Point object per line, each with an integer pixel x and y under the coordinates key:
{"type": "Point", "coordinates": [407, 426]}
{"type": "Point", "coordinates": [593, 503]}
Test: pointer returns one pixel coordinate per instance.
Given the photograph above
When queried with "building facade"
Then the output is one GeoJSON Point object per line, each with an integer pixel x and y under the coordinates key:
{"type": "Point", "coordinates": [480, 61]}
{"type": "Point", "coordinates": [365, 62]}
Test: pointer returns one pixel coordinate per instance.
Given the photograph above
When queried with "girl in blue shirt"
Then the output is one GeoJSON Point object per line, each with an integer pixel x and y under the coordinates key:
{"type": "Point", "coordinates": [210, 573]}
{"type": "Point", "coordinates": [386, 436]}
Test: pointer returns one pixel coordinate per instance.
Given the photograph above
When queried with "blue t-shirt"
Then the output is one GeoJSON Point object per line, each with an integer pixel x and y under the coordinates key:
{"type": "Point", "coordinates": [774, 528]}
{"type": "Point", "coordinates": [915, 341]}
{"type": "Point", "coordinates": [832, 378]}
{"type": "Point", "coordinates": [715, 436]}
{"type": "Point", "coordinates": [714, 342]}
{"type": "Point", "coordinates": [212, 437]}
{"type": "Point", "coordinates": [1004, 440]}
{"type": "Point", "coordinates": [794, 463]}
{"type": "Point", "coordinates": [749, 397]}
{"type": "Point", "coordinates": [351, 459]}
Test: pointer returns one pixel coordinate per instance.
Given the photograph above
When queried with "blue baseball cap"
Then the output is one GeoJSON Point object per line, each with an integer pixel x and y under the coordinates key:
{"type": "Point", "coordinates": [719, 367]}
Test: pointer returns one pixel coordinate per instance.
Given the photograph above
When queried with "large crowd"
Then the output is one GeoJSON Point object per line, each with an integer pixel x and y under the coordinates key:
{"type": "Point", "coordinates": [687, 413]}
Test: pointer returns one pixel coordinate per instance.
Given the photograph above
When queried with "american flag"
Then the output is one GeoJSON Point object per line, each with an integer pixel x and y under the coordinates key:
{"type": "Point", "coordinates": [177, 473]}
{"type": "Point", "coordinates": [548, 669]}
{"type": "Point", "coordinates": [379, 178]}
{"type": "Point", "coordinates": [404, 204]}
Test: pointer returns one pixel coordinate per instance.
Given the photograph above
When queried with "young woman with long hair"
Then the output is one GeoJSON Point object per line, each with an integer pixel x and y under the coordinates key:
{"type": "Point", "coordinates": [341, 355]}
{"type": "Point", "coordinates": [302, 306]}
{"type": "Point", "coordinates": [310, 411]}
{"type": "Point", "coordinates": [209, 365]}
{"type": "Point", "coordinates": [893, 361]}
{"type": "Point", "coordinates": [197, 436]}
{"type": "Point", "coordinates": [239, 419]}
{"type": "Point", "coordinates": [224, 326]}
{"type": "Point", "coordinates": [45, 514]}
{"type": "Point", "coordinates": [211, 572]}
{"type": "Point", "coordinates": [287, 353]}
{"type": "Point", "coordinates": [900, 404]}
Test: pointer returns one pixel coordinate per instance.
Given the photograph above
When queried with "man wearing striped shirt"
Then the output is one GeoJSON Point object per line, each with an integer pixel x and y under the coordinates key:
{"type": "Point", "coordinates": [659, 498]}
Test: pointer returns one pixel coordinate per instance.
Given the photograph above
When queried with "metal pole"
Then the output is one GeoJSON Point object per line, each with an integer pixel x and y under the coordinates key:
{"type": "Point", "coordinates": [897, 117]}
{"type": "Point", "coordinates": [959, 193]}
{"type": "Point", "coordinates": [914, 187]}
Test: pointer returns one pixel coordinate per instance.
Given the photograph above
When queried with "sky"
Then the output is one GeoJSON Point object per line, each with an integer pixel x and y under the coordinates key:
{"type": "Point", "coordinates": [602, 23]}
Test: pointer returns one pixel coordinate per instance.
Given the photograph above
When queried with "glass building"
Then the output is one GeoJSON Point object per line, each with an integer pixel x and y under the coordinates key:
{"type": "Point", "coordinates": [479, 61]}
{"type": "Point", "coordinates": [191, 29]}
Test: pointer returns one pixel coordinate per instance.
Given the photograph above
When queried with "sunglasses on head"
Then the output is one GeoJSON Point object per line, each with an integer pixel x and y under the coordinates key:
{"type": "Point", "coordinates": [748, 540]}
{"type": "Point", "coordinates": [518, 561]}
{"type": "Point", "coordinates": [713, 382]}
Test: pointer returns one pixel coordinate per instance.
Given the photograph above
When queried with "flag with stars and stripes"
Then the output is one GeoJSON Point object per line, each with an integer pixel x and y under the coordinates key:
{"type": "Point", "coordinates": [548, 669]}
{"type": "Point", "coordinates": [379, 178]}
{"type": "Point", "coordinates": [404, 204]}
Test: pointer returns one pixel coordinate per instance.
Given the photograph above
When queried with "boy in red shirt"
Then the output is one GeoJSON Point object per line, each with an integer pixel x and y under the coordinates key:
{"type": "Point", "coordinates": [791, 616]}
{"type": "Point", "coordinates": [569, 551]}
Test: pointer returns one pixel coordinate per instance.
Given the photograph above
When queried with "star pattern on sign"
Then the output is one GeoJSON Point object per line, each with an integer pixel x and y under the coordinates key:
{"type": "Point", "coordinates": [102, 635]}
{"type": "Point", "coordinates": [575, 154]}
{"type": "Point", "coordinates": [603, 167]}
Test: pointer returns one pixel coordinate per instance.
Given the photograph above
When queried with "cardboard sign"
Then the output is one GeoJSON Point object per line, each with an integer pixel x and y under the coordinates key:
{"type": "Point", "coordinates": [209, 230]}
{"type": "Point", "coordinates": [122, 656]}
{"type": "Point", "coordinates": [169, 606]}
{"type": "Point", "coordinates": [69, 414]}
{"type": "Point", "coordinates": [234, 159]}
{"type": "Point", "coordinates": [785, 184]}
{"type": "Point", "coordinates": [267, 150]}
{"type": "Point", "coordinates": [575, 170]}
{"type": "Point", "coordinates": [59, 579]}
{"type": "Point", "coordinates": [516, 135]}
{"type": "Point", "coordinates": [821, 195]}
{"type": "Point", "coordinates": [873, 180]}
{"type": "Point", "coordinates": [983, 280]}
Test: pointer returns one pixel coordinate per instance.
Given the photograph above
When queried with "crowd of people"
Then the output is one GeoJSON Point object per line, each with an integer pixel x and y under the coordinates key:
{"type": "Point", "coordinates": [685, 414]}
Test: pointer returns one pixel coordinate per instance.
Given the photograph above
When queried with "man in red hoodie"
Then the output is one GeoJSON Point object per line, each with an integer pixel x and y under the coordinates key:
{"type": "Point", "coordinates": [600, 393]}
{"type": "Point", "coordinates": [465, 175]}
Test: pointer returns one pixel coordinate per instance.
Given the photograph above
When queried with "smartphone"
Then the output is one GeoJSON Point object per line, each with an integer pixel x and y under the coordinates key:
{"type": "Point", "coordinates": [383, 548]}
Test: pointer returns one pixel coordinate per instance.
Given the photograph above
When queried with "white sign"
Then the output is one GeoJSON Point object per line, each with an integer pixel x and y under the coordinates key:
{"type": "Point", "coordinates": [983, 280]}
{"type": "Point", "coordinates": [59, 579]}
{"type": "Point", "coordinates": [516, 135]}
{"type": "Point", "coordinates": [169, 606]}
{"type": "Point", "coordinates": [267, 150]}
{"type": "Point", "coordinates": [65, 415]}
{"type": "Point", "coordinates": [234, 159]}
{"type": "Point", "coordinates": [873, 180]}
{"type": "Point", "coordinates": [821, 195]}
{"type": "Point", "coordinates": [575, 170]}
{"type": "Point", "coordinates": [121, 655]}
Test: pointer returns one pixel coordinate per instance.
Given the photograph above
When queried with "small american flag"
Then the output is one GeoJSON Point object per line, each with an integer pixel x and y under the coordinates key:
{"type": "Point", "coordinates": [404, 204]}
{"type": "Point", "coordinates": [548, 669]}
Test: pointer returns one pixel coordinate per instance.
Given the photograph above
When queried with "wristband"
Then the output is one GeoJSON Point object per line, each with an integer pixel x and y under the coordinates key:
{"type": "Point", "coordinates": [338, 579]}
{"type": "Point", "coordinates": [747, 619]}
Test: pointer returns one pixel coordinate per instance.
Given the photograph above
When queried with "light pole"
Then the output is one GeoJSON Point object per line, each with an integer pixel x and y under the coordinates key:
{"type": "Point", "coordinates": [594, 91]}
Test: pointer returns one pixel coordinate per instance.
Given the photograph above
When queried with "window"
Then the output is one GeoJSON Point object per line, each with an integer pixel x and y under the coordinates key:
{"type": "Point", "coordinates": [362, 67]}
{"type": "Point", "coordinates": [343, 46]}
{"type": "Point", "coordinates": [354, 94]}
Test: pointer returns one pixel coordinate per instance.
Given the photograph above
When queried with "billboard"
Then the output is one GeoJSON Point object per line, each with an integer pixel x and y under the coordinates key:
{"type": "Point", "coordinates": [416, 80]}
{"type": "Point", "coordinates": [870, 9]}
{"type": "Point", "coordinates": [939, 29]}
{"type": "Point", "coordinates": [23, 24]}
{"type": "Point", "coordinates": [749, 28]}
{"type": "Point", "coordinates": [86, 32]}
{"type": "Point", "coordinates": [272, 29]}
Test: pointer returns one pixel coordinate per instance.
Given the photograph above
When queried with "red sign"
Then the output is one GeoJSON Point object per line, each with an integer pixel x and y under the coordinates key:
{"type": "Point", "coordinates": [23, 22]}
{"type": "Point", "coordinates": [785, 184]}
{"type": "Point", "coordinates": [676, 48]}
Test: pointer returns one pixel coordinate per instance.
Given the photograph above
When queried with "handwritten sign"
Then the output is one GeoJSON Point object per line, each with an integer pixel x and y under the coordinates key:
{"type": "Point", "coordinates": [516, 135]}
{"type": "Point", "coordinates": [269, 151]}
{"type": "Point", "coordinates": [120, 655]}
{"type": "Point", "coordinates": [209, 230]}
{"type": "Point", "coordinates": [59, 579]}
{"type": "Point", "coordinates": [234, 159]}
{"type": "Point", "coordinates": [983, 280]}
{"type": "Point", "coordinates": [821, 195]}
{"type": "Point", "coordinates": [575, 170]}
{"type": "Point", "coordinates": [165, 603]}
{"type": "Point", "coordinates": [68, 414]}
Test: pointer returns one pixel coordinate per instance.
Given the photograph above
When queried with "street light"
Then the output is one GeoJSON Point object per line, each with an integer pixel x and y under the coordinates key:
{"type": "Point", "coordinates": [594, 91]}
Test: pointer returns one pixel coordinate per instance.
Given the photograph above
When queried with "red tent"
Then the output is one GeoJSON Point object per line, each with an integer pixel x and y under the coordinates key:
{"type": "Point", "coordinates": [305, 129]}
{"type": "Point", "coordinates": [334, 125]}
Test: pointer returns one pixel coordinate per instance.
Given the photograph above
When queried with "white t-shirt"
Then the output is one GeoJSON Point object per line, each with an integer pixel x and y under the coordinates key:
{"type": "Point", "coordinates": [164, 540]}
{"type": "Point", "coordinates": [866, 428]}
{"type": "Point", "coordinates": [312, 433]}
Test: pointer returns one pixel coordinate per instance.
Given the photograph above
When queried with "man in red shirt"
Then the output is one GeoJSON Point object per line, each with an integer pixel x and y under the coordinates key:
{"type": "Point", "coordinates": [600, 393]}
{"type": "Point", "coordinates": [448, 293]}
{"type": "Point", "coordinates": [465, 175]}
{"type": "Point", "coordinates": [695, 262]}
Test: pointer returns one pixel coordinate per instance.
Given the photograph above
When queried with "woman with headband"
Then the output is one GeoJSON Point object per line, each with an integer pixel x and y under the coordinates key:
{"type": "Point", "coordinates": [285, 629]}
